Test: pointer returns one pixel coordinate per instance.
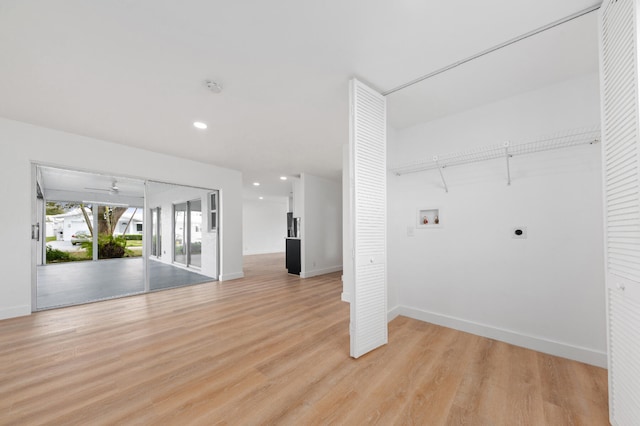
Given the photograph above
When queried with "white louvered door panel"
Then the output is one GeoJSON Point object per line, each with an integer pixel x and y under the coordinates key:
{"type": "Point", "coordinates": [621, 150]}
{"type": "Point", "coordinates": [367, 142]}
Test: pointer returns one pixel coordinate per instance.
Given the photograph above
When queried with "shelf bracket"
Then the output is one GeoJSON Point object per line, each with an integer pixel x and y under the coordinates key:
{"type": "Point", "coordinates": [507, 156]}
{"type": "Point", "coordinates": [444, 182]}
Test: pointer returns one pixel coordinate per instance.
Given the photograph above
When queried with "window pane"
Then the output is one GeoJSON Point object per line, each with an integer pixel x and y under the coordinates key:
{"type": "Point", "coordinates": [154, 232]}
{"type": "Point", "coordinates": [180, 230]}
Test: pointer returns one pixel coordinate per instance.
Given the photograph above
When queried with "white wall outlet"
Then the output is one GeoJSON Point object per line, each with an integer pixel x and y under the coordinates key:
{"type": "Point", "coordinates": [519, 232]}
{"type": "Point", "coordinates": [411, 231]}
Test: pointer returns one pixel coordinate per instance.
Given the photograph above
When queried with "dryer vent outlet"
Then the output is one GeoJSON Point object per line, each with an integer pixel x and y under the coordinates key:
{"type": "Point", "coordinates": [519, 232]}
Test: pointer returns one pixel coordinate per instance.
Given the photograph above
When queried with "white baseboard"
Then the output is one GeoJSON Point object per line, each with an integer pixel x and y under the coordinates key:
{"type": "Point", "coordinates": [229, 277]}
{"type": "Point", "coordinates": [316, 272]}
{"type": "Point", "coordinates": [15, 311]}
{"type": "Point", "coordinates": [393, 313]}
{"type": "Point", "coordinates": [564, 350]}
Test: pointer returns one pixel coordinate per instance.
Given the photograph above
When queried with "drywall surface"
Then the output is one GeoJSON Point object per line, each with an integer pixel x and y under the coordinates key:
{"type": "Point", "coordinates": [348, 263]}
{"type": "Point", "coordinates": [321, 217]}
{"type": "Point", "coordinates": [22, 144]}
{"type": "Point", "coordinates": [545, 292]}
{"type": "Point", "coordinates": [264, 225]}
{"type": "Point", "coordinates": [392, 293]}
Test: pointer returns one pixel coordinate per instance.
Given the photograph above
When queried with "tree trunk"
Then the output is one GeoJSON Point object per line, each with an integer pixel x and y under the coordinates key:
{"type": "Point", "coordinates": [108, 219]}
{"type": "Point", "coordinates": [86, 219]}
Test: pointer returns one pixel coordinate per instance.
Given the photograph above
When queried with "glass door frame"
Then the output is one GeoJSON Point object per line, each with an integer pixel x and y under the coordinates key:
{"type": "Point", "coordinates": [186, 232]}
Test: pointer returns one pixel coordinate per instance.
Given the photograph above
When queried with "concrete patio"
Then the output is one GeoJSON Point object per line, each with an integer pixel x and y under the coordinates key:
{"type": "Point", "coordinates": [72, 283]}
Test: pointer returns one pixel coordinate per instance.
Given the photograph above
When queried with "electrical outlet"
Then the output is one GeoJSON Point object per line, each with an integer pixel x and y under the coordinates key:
{"type": "Point", "coordinates": [411, 231]}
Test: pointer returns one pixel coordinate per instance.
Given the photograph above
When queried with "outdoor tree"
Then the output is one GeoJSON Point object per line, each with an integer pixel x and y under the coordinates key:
{"type": "Point", "coordinates": [108, 218]}
{"type": "Point", "coordinates": [53, 208]}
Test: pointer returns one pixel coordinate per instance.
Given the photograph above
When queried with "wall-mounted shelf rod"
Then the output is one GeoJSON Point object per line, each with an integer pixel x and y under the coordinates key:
{"type": "Point", "coordinates": [495, 48]}
{"type": "Point", "coordinates": [561, 140]}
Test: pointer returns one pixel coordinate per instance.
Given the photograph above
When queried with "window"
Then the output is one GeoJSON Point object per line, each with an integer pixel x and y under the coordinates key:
{"type": "Point", "coordinates": [156, 232]}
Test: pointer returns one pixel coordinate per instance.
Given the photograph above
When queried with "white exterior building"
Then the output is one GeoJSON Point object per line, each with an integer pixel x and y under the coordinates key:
{"type": "Point", "coordinates": [67, 224]}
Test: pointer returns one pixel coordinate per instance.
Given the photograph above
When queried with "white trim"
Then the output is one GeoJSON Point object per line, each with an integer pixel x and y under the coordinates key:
{"type": "Point", "coordinates": [577, 353]}
{"type": "Point", "coordinates": [345, 297]}
{"type": "Point", "coordinates": [315, 272]}
{"type": "Point", "coordinates": [393, 313]}
{"type": "Point", "coordinates": [229, 277]}
{"type": "Point", "coordinates": [15, 311]}
{"type": "Point", "coordinates": [33, 204]}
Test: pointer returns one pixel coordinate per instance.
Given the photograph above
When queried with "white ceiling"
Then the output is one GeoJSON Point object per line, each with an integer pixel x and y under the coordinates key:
{"type": "Point", "coordinates": [132, 72]}
{"type": "Point", "coordinates": [70, 185]}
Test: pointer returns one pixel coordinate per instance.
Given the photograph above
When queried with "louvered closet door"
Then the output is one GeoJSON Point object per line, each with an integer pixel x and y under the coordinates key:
{"type": "Point", "coordinates": [621, 150]}
{"type": "Point", "coordinates": [368, 138]}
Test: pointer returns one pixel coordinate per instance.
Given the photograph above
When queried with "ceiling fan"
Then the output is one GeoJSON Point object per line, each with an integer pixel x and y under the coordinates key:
{"type": "Point", "coordinates": [112, 190]}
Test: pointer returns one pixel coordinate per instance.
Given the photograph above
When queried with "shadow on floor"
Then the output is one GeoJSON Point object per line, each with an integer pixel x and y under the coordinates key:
{"type": "Point", "coordinates": [73, 283]}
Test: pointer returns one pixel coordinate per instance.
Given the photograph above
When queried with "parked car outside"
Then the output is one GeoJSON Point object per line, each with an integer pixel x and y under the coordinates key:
{"type": "Point", "coordinates": [80, 237]}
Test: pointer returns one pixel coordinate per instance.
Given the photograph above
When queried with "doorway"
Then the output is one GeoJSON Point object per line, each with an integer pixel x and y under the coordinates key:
{"type": "Point", "coordinates": [100, 239]}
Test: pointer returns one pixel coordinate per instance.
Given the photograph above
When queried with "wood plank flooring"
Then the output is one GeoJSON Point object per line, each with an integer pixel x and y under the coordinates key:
{"type": "Point", "coordinates": [273, 349]}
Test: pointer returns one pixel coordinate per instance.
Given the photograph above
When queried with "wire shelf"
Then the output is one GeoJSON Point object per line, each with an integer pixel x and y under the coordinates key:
{"type": "Point", "coordinates": [507, 150]}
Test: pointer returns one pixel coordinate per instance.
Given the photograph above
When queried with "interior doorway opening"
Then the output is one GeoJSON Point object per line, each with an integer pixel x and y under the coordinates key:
{"type": "Point", "coordinates": [101, 239]}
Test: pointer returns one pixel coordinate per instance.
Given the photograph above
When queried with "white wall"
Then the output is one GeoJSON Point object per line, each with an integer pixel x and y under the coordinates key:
{"type": "Point", "coordinates": [264, 225]}
{"type": "Point", "coordinates": [392, 292]}
{"type": "Point", "coordinates": [348, 274]}
{"type": "Point", "coordinates": [21, 144]}
{"type": "Point", "coordinates": [545, 292]}
{"type": "Point", "coordinates": [321, 214]}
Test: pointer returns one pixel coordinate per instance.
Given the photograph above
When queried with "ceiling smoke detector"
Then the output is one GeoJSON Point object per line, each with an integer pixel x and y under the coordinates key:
{"type": "Point", "coordinates": [213, 86]}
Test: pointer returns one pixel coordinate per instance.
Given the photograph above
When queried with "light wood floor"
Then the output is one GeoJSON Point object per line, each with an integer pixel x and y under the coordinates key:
{"type": "Point", "coordinates": [273, 349]}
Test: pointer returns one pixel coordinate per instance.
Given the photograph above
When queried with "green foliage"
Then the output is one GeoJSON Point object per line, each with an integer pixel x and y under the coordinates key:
{"type": "Point", "coordinates": [196, 248]}
{"type": "Point", "coordinates": [133, 237]}
{"type": "Point", "coordinates": [54, 238]}
{"type": "Point", "coordinates": [133, 253]}
{"type": "Point", "coordinates": [55, 255]}
{"type": "Point", "coordinates": [109, 247]}
{"type": "Point", "coordinates": [54, 208]}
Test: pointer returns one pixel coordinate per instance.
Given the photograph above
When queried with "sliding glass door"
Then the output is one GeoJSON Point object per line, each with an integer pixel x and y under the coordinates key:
{"type": "Point", "coordinates": [180, 233]}
{"type": "Point", "coordinates": [188, 233]}
{"type": "Point", "coordinates": [156, 232]}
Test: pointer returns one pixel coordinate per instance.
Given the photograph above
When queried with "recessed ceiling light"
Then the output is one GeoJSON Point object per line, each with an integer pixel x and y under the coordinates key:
{"type": "Point", "coordinates": [283, 178]}
{"type": "Point", "coordinates": [256, 183]}
{"type": "Point", "coordinates": [199, 125]}
{"type": "Point", "coordinates": [262, 198]}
